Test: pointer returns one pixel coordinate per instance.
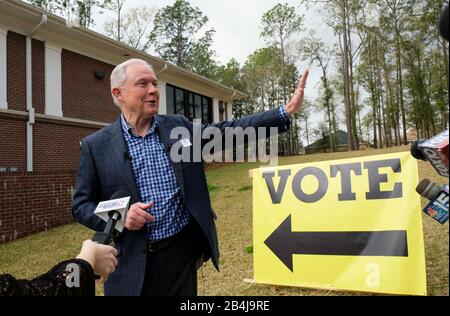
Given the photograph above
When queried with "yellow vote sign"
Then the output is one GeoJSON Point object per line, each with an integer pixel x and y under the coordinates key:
{"type": "Point", "coordinates": [353, 224]}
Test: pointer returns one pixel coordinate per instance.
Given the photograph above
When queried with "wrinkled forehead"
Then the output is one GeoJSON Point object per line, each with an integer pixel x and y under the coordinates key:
{"type": "Point", "coordinates": [139, 71]}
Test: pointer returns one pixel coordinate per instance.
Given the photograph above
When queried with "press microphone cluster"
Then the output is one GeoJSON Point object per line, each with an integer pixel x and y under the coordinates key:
{"type": "Point", "coordinates": [437, 194]}
{"type": "Point", "coordinates": [113, 212]}
{"type": "Point", "coordinates": [433, 150]}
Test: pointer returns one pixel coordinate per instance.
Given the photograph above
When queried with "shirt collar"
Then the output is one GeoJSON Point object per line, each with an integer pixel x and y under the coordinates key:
{"type": "Point", "coordinates": [127, 129]}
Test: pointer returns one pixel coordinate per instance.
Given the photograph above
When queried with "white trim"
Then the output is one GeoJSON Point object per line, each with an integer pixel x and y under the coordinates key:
{"type": "Point", "coordinates": [215, 108]}
{"type": "Point", "coordinates": [162, 97]}
{"type": "Point", "coordinates": [3, 69]}
{"type": "Point", "coordinates": [53, 81]}
{"type": "Point", "coordinates": [23, 115]}
{"type": "Point", "coordinates": [53, 46]}
{"type": "Point", "coordinates": [70, 121]}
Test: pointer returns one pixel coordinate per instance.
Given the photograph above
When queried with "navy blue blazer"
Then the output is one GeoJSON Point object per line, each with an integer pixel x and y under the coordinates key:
{"type": "Point", "coordinates": [104, 169]}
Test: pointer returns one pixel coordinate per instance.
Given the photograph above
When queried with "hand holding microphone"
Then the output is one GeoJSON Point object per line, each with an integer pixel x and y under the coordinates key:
{"type": "Point", "coordinates": [116, 214]}
{"type": "Point", "coordinates": [102, 258]}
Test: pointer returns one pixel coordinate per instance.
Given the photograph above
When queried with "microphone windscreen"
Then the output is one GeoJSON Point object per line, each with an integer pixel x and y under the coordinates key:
{"type": "Point", "coordinates": [422, 186]}
{"type": "Point", "coordinates": [416, 152]}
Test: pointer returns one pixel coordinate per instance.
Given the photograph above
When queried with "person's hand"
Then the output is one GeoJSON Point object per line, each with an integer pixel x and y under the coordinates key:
{"type": "Point", "coordinates": [101, 257]}
{"type": "Point", "coordinates": [297, 99]}
{"type": "Point", "coordinates": [137, 216]}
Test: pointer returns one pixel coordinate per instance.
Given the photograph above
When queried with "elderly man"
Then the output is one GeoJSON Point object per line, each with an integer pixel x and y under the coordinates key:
{"type": "Point", "coordinates": [170, 226]}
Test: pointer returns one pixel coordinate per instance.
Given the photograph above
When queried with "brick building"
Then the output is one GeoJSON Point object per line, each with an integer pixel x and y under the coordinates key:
{"type": "Point", "coordinates": [54, 91]}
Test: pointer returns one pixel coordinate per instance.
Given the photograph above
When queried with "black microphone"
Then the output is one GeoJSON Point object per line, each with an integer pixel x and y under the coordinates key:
{"type": "Point", "coordinates": [126, 156]}
{"type": "Point", "coordinates": [437, 194]}
{"type": "Point", "coordinates": [106, 237]}
{"type": "Point", "coordinates": [444, 24]}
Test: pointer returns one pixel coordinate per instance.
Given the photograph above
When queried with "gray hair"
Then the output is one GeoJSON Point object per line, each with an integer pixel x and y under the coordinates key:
{"type": "Point", "coordinates": [119, 75]}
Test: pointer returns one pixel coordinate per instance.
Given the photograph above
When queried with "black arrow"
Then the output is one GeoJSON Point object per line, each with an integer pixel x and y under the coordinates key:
{"type": "Point", "coordinates": [284, 243]}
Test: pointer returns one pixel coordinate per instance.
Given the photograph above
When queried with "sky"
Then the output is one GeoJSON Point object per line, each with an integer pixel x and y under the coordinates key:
{"type": "Point", "coordinates": [238, 26]}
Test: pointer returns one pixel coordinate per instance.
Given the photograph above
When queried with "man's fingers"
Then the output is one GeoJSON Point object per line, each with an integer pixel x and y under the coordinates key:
{"type": "Point", "coordinates": [138, 220]}
{"type": "Point", "coordinates": [144, 215]}
{"type": "Point", "coordinates": [144, 206]}
{"type": "Point", "coordinates": [138, 216]}
{"type": "Point", "coordinates": [149, 217]}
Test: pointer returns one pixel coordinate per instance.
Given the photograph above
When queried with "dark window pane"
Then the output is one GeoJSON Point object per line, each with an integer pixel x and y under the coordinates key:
{"type": "Point", "coordinates": [207, 109]}
{"type": "Point", "coordinates": [221, 111]}
{"type": "Point", "coordinates": [198, 107]}
{"type": "Point", "coordinates": [179, 102]}
{"type": "Point", "coordinates": [170, 102]}
{"type": "Point", "coordinates": [190, 106]}
{"type": "Point", "coordinates": [225, 114]}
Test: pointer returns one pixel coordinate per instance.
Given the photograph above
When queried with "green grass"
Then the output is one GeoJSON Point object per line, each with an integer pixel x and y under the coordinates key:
{"type": "Point", "coordinates": [231, 194]}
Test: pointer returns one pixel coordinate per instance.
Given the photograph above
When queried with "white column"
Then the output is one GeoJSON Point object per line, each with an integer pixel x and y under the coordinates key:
{"type": "Point", "coordinates": [3, 64]}
{"type": "Point", "coordinates": [53, 82]}
{"type": "Point", "coordinates": [230, 110]}
{"type": "Point", "coordinates": [162, 97]}
{"type": "Point", "coordinates": [215, 108]}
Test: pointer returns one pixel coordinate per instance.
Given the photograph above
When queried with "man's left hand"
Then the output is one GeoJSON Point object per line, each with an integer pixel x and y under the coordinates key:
{"type": "Point", "coordinates": [296, 101]}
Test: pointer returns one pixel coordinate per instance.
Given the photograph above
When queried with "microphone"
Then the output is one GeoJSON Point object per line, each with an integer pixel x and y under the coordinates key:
{"type": "Point", "coordinates": [113, 212]}
{"type": "Point", "coordinates": [126, 156]}
{"type": "Point", "coordinates": [437, 194]}
{"type": "Point", "coordinates": [434, 150]}
{"type": "Point", "coordinates": [444, 23]}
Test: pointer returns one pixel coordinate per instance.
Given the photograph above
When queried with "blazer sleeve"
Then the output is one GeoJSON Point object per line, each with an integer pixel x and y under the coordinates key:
{"type": "Point", "coordinates": [54, 282]}
{"type": "Point", "coordinates": [87, 193]}
{"type": "Point", "coordinates": [265, 120]}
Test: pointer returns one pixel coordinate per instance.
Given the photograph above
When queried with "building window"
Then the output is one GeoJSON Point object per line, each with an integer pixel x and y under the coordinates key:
{"type": "Point", "coordinates": [189, 104]}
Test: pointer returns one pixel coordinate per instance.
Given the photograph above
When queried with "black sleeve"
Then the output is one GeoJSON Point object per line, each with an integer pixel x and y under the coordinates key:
{"type": "Point", "coordinates": [69, 278]}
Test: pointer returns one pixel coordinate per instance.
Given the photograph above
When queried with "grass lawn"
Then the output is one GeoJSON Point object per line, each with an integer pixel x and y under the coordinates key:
{"type": "Point", "coordinates": [231, 193]}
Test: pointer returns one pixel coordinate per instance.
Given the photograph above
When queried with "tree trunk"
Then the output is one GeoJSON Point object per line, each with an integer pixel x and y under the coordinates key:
{"type": "Point", "coordinates": [399, 77]}
{"type": "Point", "coordinates": [353, 104]}
{"type": "Point", "coordinates": [346, 77]}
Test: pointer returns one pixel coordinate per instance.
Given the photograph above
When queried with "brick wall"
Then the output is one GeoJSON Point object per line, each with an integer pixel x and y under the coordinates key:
{"type": "Point", "coordinates": [38, 79]}
{"type": "Point", "coordinates": [16, 71]}
{"type": "Point", "coordinates": [34, 202]}
{"type": "Point", "coordinates": [57, 146]}
{"type": "Point", "coordinates": [84, 96]}
{"type": "Point", "coordinates": [13, 146]}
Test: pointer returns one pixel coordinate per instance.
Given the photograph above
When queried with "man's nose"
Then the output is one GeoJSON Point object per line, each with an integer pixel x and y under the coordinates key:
{"type": "Point", "coordinates": [152, 89]}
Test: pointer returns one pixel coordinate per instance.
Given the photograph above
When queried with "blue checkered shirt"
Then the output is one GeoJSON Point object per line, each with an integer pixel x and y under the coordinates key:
{"type": "Point", "coordinates": [284, 116]}
{"type": "Point", "coordinates": [156, 182]}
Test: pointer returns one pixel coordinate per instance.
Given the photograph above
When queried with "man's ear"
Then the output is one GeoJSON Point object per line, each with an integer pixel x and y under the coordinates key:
{"type": "Point", "coordinates": [116, 92]}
